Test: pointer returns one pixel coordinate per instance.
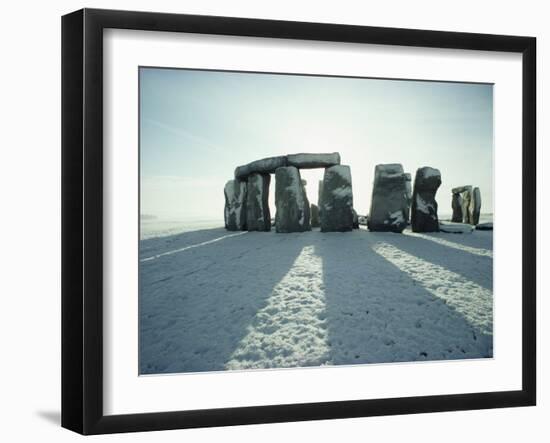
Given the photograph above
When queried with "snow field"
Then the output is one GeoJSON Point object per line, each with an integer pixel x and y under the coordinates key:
{"type": "Point", "coordinates": [210, 301]}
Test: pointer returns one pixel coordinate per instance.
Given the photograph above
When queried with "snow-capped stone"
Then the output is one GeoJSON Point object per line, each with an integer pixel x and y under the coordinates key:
{"type": "Point", "coordinates": [293, 211]}
{"type": "Point", "coordinates": [465, 199]}
{"type": "Point", "coordinates": [257, 205]}
{"type": "Point", "coordinates": [235, 213]}
{"type": "Point", "coordinates": [315, 222]}
{"type": "Point", "coordinates": [461, 189]}
{"type": "Point", "coordinates": [424, 206]}
{"type": "Point", "coordinates": [264, 166]}
{"type": "Point", "coordinates": [475, 206]}
{"type": "Point", "coordinates": [455, 228]}
{"type": "Point", "coordinates": [309, 161]}
{"type": "Point", "coordinates": [466, 204]}
{"type": "Point", "coordinates": [337, 200]}
{"type": "Point", "coordinates": [456, 204]}
{"type": "Point", "coordinates": [408, 188]}
{"type": "Point", "coordinates": [302, 161]}
{"type": "Point", "coordinates": [389, 208]}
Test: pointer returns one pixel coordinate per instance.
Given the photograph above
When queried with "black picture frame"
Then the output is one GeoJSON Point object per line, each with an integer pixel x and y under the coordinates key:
{"type": "Point", "coordinates": [82, 218]}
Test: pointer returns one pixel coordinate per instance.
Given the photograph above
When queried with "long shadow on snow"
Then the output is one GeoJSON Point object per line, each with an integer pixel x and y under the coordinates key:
{"type": "Point", "coordinates": [195, 306]}
{"type": "Point", "coordinates": [476, 239]}
{"type": "Point", "coordinates": [471, 266]}
{"type": "Point", "coordinates": [376, 313]}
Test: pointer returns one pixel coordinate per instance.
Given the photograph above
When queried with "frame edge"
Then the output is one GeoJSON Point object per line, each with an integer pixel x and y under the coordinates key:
{"type": "Point", "coordinates": [72, 220]}
{"type": "Point", "coordinates": [529, 221]}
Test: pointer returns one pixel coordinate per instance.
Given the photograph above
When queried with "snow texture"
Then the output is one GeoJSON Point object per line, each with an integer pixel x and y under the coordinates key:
{"type": "Point", "coordinates": [389, 169]}
{"type": "Point", "coordinates": [235, 205]}
{"type": "Point", "coordinates": [343, 171]}
{"type": "Point", "coordinates": [424, 206]}
{"type": "Point", "coordinates": [396, 217]}
{"type": "Point", "coordinates": [213, 302]}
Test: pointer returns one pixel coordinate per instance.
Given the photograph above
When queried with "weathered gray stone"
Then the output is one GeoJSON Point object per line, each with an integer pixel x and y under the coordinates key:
{"type": "Point", "coordinates": [293, 211]}
{"type": "Point", "coordinates": [466, 202]}
{"type": "Point", "coordinates": [461, 189]}
{"type": "Point", "coordinates": [264, 166]}
{"type": "Point", "coordinates": [456, 204]}
{"type": "Point", "coordinates": [309, 161]}
{"type": "Point", "coordinates": [408, 187]}
{"type": "Point", "coordinates": [302, 161]}
{"type": "Point", "coordinates": [315, 222]}
{"type": "Point", "coordinates": [475, 206]}
{"type": "Point", "coordinates": [485, 226]}
{"type": "Point", "coordinates": [466, 197]}
{"type": "Point", "coordinates": [455, 228]}
{"type": "Point", "coordinates": [463, 204]}
{"type": "Point", "coordinates": [390, 199]}
{"type": "Point", "coordinates": [424, 206]}
{"type": "Point", "coordinates": [337, 200]}
{"type": "Point", "coordinates": [257, 205]}
{"type": "Point", "coordinates": [235, 205]}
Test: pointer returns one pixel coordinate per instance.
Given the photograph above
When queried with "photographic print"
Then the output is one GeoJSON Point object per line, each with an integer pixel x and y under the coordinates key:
{"type": "Point", "coordinates": [291, 221]}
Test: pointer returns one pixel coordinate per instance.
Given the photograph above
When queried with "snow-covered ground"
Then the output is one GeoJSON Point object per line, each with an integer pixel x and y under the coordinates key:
{"type": "Point", "coordinates": [213, 300]}
{"type": "Point", "coordinates": [163, 227]}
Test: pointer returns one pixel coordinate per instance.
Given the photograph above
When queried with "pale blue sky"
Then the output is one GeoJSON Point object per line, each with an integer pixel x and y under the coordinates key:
{"type": "Point", "coordinates": [197, 126]}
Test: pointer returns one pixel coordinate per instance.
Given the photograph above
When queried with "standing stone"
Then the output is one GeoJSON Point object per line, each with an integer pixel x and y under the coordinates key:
{"type": "Point", "coordinates": [337, 200]}
{"type": "Point", "coordinates": [235, 205]}
{"type": "Point", "coordinates": [424, 207]}
{"type": "Point", "coordinates": [320, 201]}
{"type": "Point", "coordinates": [456, 204]}
{"type": "Point", "coordinates": [293, 210]}
{"type": "Point", "coordinates": [408, 188]}
{"type": "Point", "coordinates": [466, 196]}
{"type": "Point", "coordinates": [257, 205]}
{"type": "Point", "coordinates": [390, 199]}
{"type": "Point", "coordinates": [315, 222]}
{"type": "Point", "coordinates": [466, 203]}
{"type": "Point", "coordinates": [476, 206]}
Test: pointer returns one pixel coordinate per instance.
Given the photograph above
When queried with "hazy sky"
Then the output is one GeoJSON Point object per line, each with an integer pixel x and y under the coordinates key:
{"type": "Point", "coordinates": [197, 126]}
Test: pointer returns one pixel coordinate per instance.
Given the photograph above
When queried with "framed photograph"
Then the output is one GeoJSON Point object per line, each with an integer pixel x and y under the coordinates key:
{"type": "Point", "coordinates": [268, 221]}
